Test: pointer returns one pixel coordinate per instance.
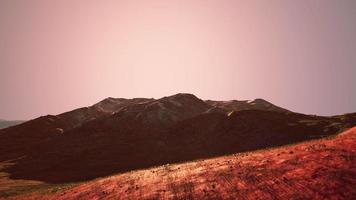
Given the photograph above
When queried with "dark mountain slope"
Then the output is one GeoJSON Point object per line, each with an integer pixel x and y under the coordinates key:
{"type": "Point", "coordinates": [122, 142]}
{"type": "Point", "coordinates": [18, 140]}
{"type": "Point", "coordinates": [118, 135]}
{"type": "Point", "coordinates": [319, 169]}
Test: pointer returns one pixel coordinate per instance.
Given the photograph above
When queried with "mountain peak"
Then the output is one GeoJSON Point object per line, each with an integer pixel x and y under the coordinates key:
{"type": "Point", "coordinates": [111, 100]}
{"type": "Point", "coordinates": [182, 95]}
{"type": "Point", "coordinates": [259, 101]}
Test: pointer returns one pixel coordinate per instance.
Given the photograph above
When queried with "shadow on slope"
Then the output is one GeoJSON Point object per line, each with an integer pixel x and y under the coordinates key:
{"type": "Point", "coordinates": [124, 142]}
{"type": "Point", "coordinates": [319, 169]}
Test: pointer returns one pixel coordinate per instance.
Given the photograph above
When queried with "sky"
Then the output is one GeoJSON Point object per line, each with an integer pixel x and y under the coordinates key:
{"type": "Point", "coordinates": [59, 55]}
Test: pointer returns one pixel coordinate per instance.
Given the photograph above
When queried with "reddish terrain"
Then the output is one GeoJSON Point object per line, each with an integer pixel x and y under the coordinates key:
{"type": "Point", "coordinates": [320, 169]}
{"type": "Point", "coordinates": [116, 136]}
{"type": "Point", "coordinates": [120, 135]}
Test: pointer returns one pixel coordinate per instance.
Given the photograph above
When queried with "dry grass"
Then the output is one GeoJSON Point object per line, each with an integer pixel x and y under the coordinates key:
{"type": "Point", "coordinates": [320, 169]}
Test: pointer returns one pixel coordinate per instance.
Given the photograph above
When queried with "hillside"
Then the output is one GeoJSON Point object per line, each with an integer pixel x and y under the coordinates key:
{"type": "Point", "coordinates": [322, 169]}
{"type": "Point", "coordinates": [119, 135]}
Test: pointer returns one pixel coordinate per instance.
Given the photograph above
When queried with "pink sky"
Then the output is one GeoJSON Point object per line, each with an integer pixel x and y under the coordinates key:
{"type": "Point", "coordinates": [59, 55]}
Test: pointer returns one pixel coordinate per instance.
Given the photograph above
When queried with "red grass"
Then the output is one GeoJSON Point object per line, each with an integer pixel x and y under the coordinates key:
{"type": "Point", "coordinates": [323, 169]}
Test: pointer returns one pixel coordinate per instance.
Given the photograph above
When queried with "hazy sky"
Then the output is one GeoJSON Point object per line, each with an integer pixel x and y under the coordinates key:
{"type": "Point", "coordinates": [59, 55]}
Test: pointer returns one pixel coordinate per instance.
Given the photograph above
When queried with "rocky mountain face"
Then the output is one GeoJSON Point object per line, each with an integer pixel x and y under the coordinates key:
{"type": "Point", "coordinates": [118, 135]}
{"type": "Point", "coordinates": [235, 105]}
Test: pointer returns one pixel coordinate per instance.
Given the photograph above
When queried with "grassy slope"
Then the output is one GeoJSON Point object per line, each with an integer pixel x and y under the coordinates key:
{"type": "Point", "coordinates": [320, 169]}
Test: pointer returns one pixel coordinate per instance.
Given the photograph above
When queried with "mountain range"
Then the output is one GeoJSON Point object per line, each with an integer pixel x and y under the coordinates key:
{"type": "Point", "coordinates": [117, 135]}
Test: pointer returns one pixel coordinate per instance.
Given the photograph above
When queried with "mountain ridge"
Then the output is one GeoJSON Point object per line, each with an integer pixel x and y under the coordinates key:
{"type": "Point", "coordinates": [117, 135]}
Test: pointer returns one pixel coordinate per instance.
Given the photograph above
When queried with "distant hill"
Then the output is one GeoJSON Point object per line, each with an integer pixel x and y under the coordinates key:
{"type": "Point", "coordinates": [5, 123]}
